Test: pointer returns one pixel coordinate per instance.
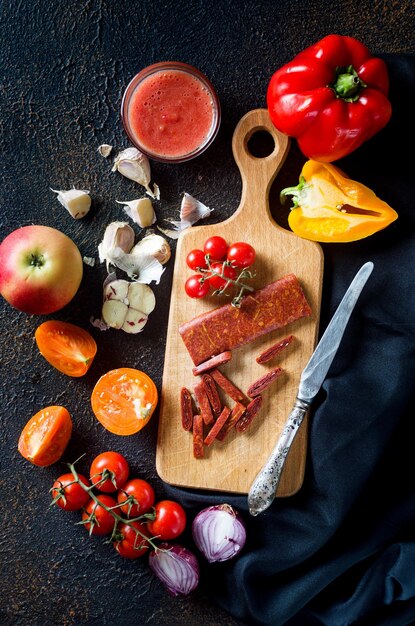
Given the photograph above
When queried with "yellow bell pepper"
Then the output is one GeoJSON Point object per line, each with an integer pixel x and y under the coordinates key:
{"type": "Point", "coordinates": [330, 207]}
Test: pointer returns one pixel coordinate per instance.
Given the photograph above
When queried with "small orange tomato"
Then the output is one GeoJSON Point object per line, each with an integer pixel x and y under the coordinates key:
{"type": "Point", "coordinates": [123, 400]}
{"type": "Point", "coordinates": [46, 435]}
{"type": "Point", "coordinates": [67, 347]}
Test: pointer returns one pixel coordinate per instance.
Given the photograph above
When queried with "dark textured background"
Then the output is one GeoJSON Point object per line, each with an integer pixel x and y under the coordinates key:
{"type": "Point", "coordinates": [64, 65]}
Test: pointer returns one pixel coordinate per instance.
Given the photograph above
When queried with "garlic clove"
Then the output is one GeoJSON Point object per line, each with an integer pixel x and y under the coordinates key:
{"type": "Point", "coordinates": [142, 268]}
{"type": "Point", "coordinates": [153, 245]}
{"type": "Point", "coordinates": [117, 236]}
{"type": "Point", "coordinates": [105, 150]}
{"type": "Point", "coordinates": [141, 297]}
{"type": "Point", "coordinates": [114, 313]}
{"type": "Point", "coordinates": [140, 211]}
{"type": "Point", "coordinates": [191, 211]}
{"type": "Point", "coordinates": [117, 290]}
{"type": "Point", "coordinates": [135, 166]}
{"type": "Point", "coordinates": [134, 321]}
{"type": "Point", "coordinates": [76, 201]}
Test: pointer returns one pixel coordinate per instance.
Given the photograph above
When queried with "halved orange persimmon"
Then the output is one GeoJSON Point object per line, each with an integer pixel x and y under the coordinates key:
{"type": "Point", "coordinates": [67, 347]}
{"type": "Point", "coordinates": [123, 400]}
{"type": "Point", "coordinates": [44, 438]}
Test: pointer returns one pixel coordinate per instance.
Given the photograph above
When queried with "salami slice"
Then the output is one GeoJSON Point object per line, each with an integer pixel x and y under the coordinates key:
{"type": "Point", "coordinates": [227, 327]}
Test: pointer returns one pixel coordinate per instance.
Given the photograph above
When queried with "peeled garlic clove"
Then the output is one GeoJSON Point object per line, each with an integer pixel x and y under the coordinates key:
{"type": "Point", "coordinates": [105, 150]}
{"type": "Point", "coordinates": [117, 236]}
{"type": "Point", "coordinates": [114, 313]}
{"type": "Point", "coordinates": [155, 246]}
{"type": "Point", "coordinates": [134, 165]}
{"type": "Point", "coordinates": [134, 321]}
{"type": "Point", "coordinates": [76, 201]}
{"type": "Point", "coordinates": [140, 211]}
{"type": "Point", "coordinates": [117, 290]}
{"type": "Point", "coordinates": [141, 297]}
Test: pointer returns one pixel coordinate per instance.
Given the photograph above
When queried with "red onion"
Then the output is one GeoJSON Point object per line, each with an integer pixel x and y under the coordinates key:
{"type": "Point", "coordinates": [176, 567]}
{"type": "Point", "coordinates": [219, 532]}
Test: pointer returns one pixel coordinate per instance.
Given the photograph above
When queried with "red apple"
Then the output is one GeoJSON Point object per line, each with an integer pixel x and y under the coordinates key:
{"type": "Point", "coordinates": [40, 269]}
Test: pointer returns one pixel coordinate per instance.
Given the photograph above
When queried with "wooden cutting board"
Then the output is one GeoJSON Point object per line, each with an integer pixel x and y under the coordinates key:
{"type": "Point", "coordinates": [232, 465]}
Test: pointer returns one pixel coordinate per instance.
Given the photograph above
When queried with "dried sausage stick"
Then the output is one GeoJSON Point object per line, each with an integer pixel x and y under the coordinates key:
{"type": "Point", "coordinates": [262, 383]}
{"type": "Point", "coordinates": [236, 414]}
{"type": "Point", "coordinates": [203, 403]}
{"type": "Point", "coordinates": [186, 408]}
{"type": "Point", "coordinates": [212, 393]}
{"type": "Point", "coordinates": [251, 410]}
{"type": "Point", "coordinates": [212, 434]}
{"type": "Point", "coordinates": [198, 451]}
{"type": "Point", "coordinates": [272, 351]}
{"type": "Point", "coordinates": [227, 386]}
{"type": "Point", "coordinates": [210, 364]}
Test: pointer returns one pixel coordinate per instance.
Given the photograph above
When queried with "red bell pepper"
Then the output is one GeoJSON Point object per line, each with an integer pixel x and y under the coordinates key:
{"type": "Point", "coordinates": [331, 97]}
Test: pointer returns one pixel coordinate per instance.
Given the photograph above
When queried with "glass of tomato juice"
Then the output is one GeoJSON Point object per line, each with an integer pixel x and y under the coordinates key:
{"type": "Point", "coordinates": [170, 111]}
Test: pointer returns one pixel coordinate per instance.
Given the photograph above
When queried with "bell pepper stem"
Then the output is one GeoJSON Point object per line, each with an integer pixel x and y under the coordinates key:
{"type": "Point", "coordinates": [347, 84]}
{"type": "Point", "coordinates": [295, 192]}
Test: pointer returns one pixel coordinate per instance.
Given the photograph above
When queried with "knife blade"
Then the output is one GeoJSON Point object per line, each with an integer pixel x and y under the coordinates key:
{"type": "Point", "coordinates": [264, 487]}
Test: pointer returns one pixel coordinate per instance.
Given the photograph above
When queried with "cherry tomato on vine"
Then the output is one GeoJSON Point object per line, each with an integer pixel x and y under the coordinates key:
{"type": "Point", "coordinates": [170, 520]}
{"type": "Point", "coordinates": [241, 254]}
{"type": "Point", "coordinates": [131, 544]}
{"type": "Point", "coordinates": [196, 289]}
{"type": "Point", "coordinates": [196, 259]}
{"type": "Point", "coordinates": [143, 494]}
{"type": "Point", "coordinates": [111, 466]}
{"type": "Point", "coordinates": [216, 247]}
{"type": "Point", "coordinates": [69, 495]}
{"type": "Point", "coordinates": [217, 282]}
{"type": "Point", "coordinates": [101, 522]}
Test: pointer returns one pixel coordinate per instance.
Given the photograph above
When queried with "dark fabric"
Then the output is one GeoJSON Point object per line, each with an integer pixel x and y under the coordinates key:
{"type": "Point", "coordinates": [342, 550]}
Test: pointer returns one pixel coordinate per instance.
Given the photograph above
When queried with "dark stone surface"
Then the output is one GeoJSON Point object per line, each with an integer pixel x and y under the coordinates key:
{"type": "Point", "coordinates": [64, 65]}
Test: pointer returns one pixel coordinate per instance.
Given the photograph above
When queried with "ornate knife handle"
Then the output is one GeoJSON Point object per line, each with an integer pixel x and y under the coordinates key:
{"type": "Point", "coordinates": [264, 487]}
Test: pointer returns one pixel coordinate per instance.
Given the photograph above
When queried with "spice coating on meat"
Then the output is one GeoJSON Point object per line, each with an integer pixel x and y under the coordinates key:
{"type": "Point", "coordinates": [261, 312]}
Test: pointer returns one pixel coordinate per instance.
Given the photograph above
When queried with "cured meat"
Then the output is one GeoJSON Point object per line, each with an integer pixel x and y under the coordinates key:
{"type": "Point", "coordinates": [262, 383]}
{"type": "Point", "coordinates": [203, 403]}
{"type": "Point", "coordinates": [273, 350]}
{"type": "Point", "coordinates": [214, 431]}
{"type": "Point", "coordinates": [236, 414]}
{"type": "Point", "coordinates": [212, 393]}
{"type": "Point", "coordinates": [251, 410]}
{"type": "Point", "coordinates": [186, 408]}
{"type": "Point", "coordinates": [228, 327]}
{"type": "Point", "coordinates": [227, 386]}
{"type": "Point", "coordinates": [210, 364]}
{"type": "Point", "coordinates": [198, 450]}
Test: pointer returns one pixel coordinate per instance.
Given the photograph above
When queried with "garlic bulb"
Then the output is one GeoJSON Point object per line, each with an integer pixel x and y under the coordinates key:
{"type": "Point", "coordinates": [76, 201]}
{"type": "Point", "coordinates": [153, 245]}
{"type": "Point", "coordinates": [127, 305]}
{"type": "Point", "coordinates": [134, 165]}
{"type": "Point", "coordinates": [117, 236]}
{"type": "Point", "coordinates": [105, 150]}
{"type": "Point", "coordinates": [140, 211]}
{"type": "Point", "coordinates": [191, 211]}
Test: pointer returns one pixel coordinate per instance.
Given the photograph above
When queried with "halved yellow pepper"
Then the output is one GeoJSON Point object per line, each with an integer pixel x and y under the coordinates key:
{"type": "Point", "coordinates": [330, 207]}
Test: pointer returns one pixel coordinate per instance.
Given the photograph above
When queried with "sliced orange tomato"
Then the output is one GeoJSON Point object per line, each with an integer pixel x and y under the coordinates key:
{"type": "Point", "coordinates": [67, 347]}
{"type": "Point", "coordinates": [46, 435]}
{"type": "Point", "coordinates": [123, 400]}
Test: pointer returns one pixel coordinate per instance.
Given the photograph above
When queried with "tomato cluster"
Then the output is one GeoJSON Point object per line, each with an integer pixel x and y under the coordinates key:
{"type": "Point", "coordinates": [130, 514]}
{"type": "Point", "coordinates": [217, 264]}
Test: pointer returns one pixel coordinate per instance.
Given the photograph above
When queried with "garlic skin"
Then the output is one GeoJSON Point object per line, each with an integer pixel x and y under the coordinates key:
{"type": "Point", "coordinates": [127, 305]}
{"type": "Point", "coordinates": [118, 236]}
{"type": "Point", "coordinates": [134, 165]}
{"type": "Point", "coordinates": [76, 201]}
{"type": "Point", "coordinates": [191, 211]}
{"type": "Point", "coordinates": [140, 211]}
{"type": "Point", "coordinates": [153, 245]}
{"type": "Point", "coordinates": [105, 150]}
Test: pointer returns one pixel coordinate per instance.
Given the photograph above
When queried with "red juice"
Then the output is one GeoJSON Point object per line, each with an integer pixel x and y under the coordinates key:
{"type": "Point", "coordinates": [172, 113]}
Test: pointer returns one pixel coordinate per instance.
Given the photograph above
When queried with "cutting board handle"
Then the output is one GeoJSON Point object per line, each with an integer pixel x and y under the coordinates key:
{"type": "Point", "coordinates": [257, 173]}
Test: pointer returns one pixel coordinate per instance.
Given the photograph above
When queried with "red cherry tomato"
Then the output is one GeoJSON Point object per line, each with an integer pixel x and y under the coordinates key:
{"type": "Point", "coordinates": [241, 254]}
{"type": "Point", "coordinates": [216, 247]}
{"type": "Point", "coordinates": [196, 289]}
{"type": "Point", "coordinates": [143, 494]}
{"type": "Point", "coordinates": [217, 282]}
{"type": "Point", "coordinates": [196, 259]}
{"type": "Point", "coordinates": [131, 544]}
{"type": "Point", "coordinates": [111, 466]}
{"type": "Point", "coordinates": [170, 520]}
{"type": "Point", "coordinates": [102, 522]}
{"type": "Point", "coordinates": [70, 495]}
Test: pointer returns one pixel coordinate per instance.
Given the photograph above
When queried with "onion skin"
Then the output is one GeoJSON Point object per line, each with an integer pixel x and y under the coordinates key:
{"type": "Point", "coordinates": [219, 532]}
{"type": "Point", "coordinates": [176, 567]}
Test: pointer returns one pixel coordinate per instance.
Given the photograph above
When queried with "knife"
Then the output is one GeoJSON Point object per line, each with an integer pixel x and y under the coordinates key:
{"type": "Point", "coordinates": [264, 487]}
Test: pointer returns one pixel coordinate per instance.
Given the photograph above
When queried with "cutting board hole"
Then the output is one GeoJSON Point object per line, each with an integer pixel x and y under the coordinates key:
{"type": "Point", "coordinates": [261, 144]}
